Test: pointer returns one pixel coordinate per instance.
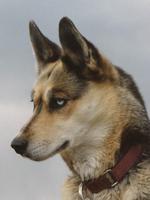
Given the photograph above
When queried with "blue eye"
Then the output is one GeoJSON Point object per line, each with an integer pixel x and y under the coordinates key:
{"type": "Point", "coordinates": [57, 103]}
{"type": "Point", "coordinates": [60, 102]}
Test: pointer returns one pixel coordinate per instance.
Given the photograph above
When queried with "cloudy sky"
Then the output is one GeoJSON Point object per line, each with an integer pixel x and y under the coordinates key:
{"type": "Point", "coordinates": [119, 28]}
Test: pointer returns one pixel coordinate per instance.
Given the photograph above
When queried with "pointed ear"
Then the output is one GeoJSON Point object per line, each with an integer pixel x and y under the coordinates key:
{"type": "Point", "coordinates": [45, 50]}
{"type": "Point", "coordinates": [79, 51]}
{"type": "Point", "coordinates": [73, 43]}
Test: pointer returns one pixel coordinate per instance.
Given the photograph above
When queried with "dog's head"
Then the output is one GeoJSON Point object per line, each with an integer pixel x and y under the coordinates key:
{"type": "Point", "coordinates": [73, 95]}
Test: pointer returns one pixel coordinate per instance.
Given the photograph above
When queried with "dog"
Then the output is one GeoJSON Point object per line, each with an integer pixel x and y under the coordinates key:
{"type": "Point", "coordinates": [92, 113]}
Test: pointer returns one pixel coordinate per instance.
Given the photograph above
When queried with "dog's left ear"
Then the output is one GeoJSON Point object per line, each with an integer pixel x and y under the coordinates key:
{"type": "Point", "coordinates": [45, 50]}
{"type": "Point", "coordinates": [80, 53]}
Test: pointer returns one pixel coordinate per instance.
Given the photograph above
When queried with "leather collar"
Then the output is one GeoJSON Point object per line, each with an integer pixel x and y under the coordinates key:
{"type": "Point", "coordinates": [115, 175]}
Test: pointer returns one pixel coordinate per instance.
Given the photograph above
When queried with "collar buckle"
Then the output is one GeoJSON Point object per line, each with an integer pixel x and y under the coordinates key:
{"type": "Point", "coordinates": [81, 191]}
{"type": "Point", "coordinates": [109, 176]}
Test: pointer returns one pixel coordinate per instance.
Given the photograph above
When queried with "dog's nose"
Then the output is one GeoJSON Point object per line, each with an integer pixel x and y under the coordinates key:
{"type": "Point", "coordinates": [19, 145]}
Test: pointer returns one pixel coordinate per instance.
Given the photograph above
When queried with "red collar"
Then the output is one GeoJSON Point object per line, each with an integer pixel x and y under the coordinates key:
{"type": "Point", "coordinates": [115, 175]}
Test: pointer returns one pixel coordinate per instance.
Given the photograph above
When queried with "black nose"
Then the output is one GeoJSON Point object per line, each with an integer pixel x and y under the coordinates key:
{"type": "Point", "coordinates": [19, 145]}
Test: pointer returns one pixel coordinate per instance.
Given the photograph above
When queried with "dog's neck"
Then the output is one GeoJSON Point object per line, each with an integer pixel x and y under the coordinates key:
{"type": "Point", "coordinates": [91, 161]}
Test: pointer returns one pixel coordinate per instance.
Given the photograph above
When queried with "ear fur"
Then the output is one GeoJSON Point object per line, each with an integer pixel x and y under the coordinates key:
{"type": "Point", "coordinates": [45, 50]}
{"type": "Point", "coordinates": [72, 41]}
{"type": "Point", "coordinates": [80, 53]}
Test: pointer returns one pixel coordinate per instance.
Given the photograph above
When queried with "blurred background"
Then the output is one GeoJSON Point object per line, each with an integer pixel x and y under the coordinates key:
{"type": "Point", "coordinates": [119, 28]}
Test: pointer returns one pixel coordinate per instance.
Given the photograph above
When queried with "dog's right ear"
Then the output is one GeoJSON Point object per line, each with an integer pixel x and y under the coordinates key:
{"type": "Point", "coordinates": [80, 55]}
{"type": "Point", "coordinates": [45, 50]}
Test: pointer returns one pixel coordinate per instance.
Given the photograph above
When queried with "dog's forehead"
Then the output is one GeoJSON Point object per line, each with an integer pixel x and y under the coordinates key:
{"type": "Point", "coordinates": [56, 76]}
{"type": "Point", "coordinates": [48, 69]}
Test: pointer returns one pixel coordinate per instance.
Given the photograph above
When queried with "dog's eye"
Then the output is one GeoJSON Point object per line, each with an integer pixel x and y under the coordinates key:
{"type": "Point", "coordinates": [57, 103]}
{"type": "Point", "coordinates": [60, 102]}
{"type": "Point", "coordinates": [33, 103]}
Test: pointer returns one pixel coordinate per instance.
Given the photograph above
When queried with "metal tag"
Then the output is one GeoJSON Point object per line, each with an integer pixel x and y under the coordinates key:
{"type": "Point", "coordinates": [81, 191]}
{"type": "Point", "coordinates": [81, 188]}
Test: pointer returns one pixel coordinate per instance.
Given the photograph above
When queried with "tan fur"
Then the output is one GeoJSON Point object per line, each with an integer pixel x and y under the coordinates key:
{"type": "Point", "coordinates": [137, 190]}
{"type": "Point", "coordinates": [91, 158]}
{"type": "Point", "coordinates": [88, 130]}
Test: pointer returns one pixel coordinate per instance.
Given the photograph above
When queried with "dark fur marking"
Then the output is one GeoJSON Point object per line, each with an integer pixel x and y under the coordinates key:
{"type": "Point", "coordinates": [95, 54]}
{"type": "Point", "coordinates": [127, 81]}
{"type": "Point", "coordinates": [71, 40]}
{"type": "Point", "coordinates": [80, 55]}
{"type": "Point", "coordinates": [69, 82]}
{"type": "Point", "coordinates": [46, 51]}
{"type": "Point", "coordinates": [67, 86]}
{"type": "Point", "coordinates": [136, 135]}
{"type": "Point", "coordinates": [82, 71]}
{"type": "Point", "coordinates": [140, 132]}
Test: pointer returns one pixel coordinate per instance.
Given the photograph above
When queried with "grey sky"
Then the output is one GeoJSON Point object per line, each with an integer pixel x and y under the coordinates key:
{"type": "Point", "coordinates": [119, 28]}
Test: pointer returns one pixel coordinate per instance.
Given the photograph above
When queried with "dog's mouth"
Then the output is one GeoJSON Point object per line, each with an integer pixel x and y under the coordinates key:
{"type": "Point", "coordinates": [36, 155]}
{"type": "Point", "coordinates": [61, 147]}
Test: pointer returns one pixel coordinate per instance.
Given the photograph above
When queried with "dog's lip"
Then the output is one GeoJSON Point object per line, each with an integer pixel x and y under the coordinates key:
{"type": "Point", "coordinates": [61, 147]}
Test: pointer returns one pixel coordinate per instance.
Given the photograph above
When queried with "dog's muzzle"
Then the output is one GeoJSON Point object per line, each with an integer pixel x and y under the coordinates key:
{"type": "Point", "coordinates": [19, 145]}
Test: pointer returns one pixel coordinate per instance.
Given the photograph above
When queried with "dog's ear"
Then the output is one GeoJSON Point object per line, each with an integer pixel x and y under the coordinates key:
{"type": "Point", "coordinates": [80, 53]}
{"type": "Point", "coordinates": [45, 50]}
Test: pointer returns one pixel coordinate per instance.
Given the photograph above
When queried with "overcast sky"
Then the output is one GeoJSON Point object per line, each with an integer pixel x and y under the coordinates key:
{"type": "Point", "coordinates": [119, 28]}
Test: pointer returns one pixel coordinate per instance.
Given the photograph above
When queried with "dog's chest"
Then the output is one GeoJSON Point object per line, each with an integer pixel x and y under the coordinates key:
{"type": "Point", "coordinates": [86, 163]}
{"type": "Point", "coordinates": [137, 186]}
{"type": "Point", "coordinates": [71, 192]}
